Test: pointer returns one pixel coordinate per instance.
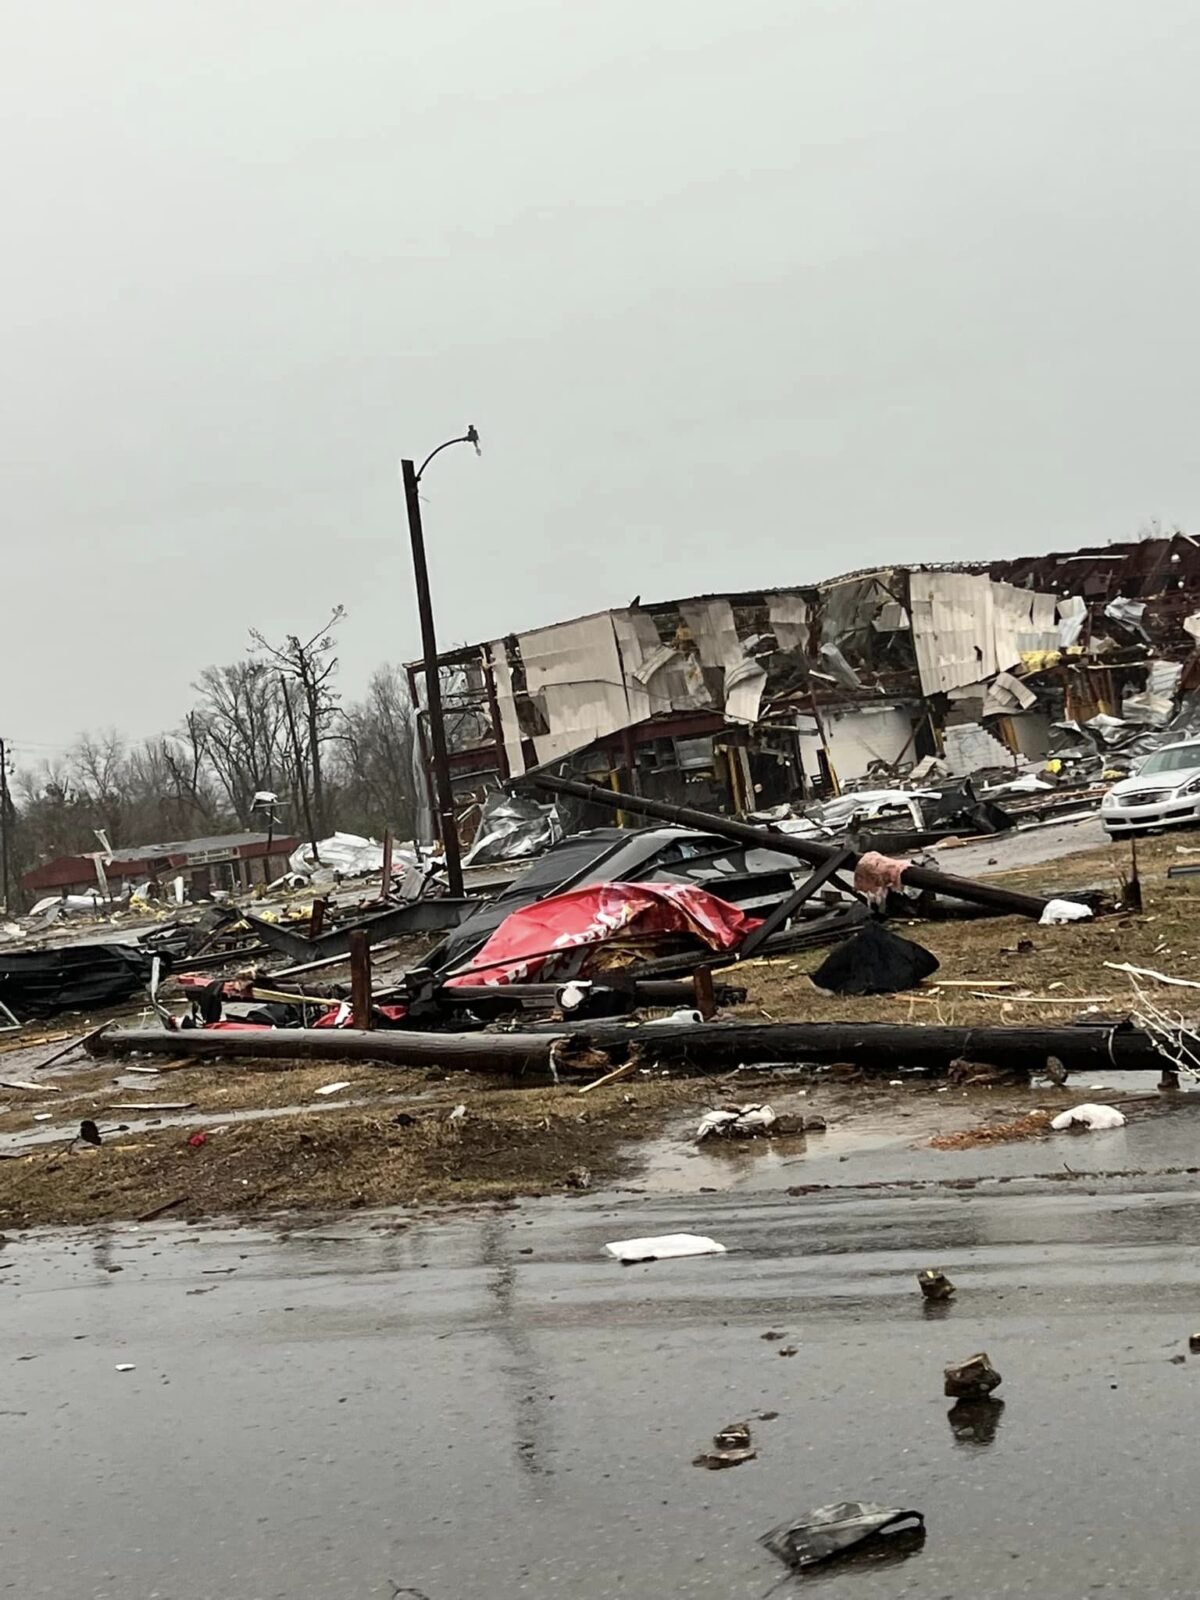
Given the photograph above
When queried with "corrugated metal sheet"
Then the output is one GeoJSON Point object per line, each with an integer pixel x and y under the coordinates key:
{"type": "Point", "coordinates": [954, 630]}
{"type": "Point", "coordinates": [967, 628]}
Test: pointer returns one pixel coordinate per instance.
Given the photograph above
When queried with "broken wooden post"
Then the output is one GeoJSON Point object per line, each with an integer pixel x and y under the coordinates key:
{"type": "Point", "coordinates": [991, 895]}
{"type": "Point", "coordinates": [316, 920]}
{"type": "Point", "coordinates": [706, 1002]}
{"type": "Point", "coordinates": [1132, 895]}
{"type": "Point", "coordinates": [360, 980]}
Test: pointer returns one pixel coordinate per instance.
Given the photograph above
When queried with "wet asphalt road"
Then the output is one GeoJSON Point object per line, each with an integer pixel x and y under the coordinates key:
{"type": "Point", "coordinates": [487, 1407]}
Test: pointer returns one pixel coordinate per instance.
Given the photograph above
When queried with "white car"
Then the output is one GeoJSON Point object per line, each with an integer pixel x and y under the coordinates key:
{"type": "Point", "coordinates": [1163, 793]}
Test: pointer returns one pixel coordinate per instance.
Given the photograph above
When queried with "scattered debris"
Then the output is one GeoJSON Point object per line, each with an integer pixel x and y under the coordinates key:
{"type": "Point", "coordinates": [126, 1366]}
{"type": "Point", "coordinates": [834, 1530]}
{"type": "Point", "coordinates": [72, 977]}
{"type": "Point", "coordinates": [1057, 911]}
{"type": "Point", "coordinates": [579, 1178]}
{"type": "Point", "coordinates": [966, 1074]}
{"type": "Point", "coordinates": [790, 1350]}
{"type": "Point", "coordinates": [1027, 1127]}
{"type": "Point", "coordinates": [1094, 1118]}
{"type": "Point", "coordinates": [1194, 1343]}
{"type": "Point", "coordinates": [935, 1285]}
{"type": "Point", "coordinates": [664, 1247]}
{"type": "Point", "coordinates": [737, 1122]}
{"type": "Point", "coordinates": [333, 1088]}
{"type": "Point", "coordinates": [773, 1335]}
{"type": "Point", "coordinates": [1055, 1071]}
{"type": "Point", "coordinates": [89, 1132]}
{"type": "Point", "coordinates": [972, 1379]}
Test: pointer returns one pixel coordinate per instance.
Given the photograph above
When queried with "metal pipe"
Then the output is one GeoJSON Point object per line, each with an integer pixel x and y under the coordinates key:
{"type": "Point", "coordinates": [982, 894]}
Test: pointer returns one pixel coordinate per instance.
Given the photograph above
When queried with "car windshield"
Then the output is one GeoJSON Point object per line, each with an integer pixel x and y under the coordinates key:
{"type": "Point", "coordinates": [1177, 760]}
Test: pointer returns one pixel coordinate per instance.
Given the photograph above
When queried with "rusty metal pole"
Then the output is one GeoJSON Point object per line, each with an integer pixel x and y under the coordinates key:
{"type": "Point", "coordinates": [360, 981]}
{"type": "Point", "coordinates": [385, 887]}
{"type": "Point", "coordinates": [447, 826]}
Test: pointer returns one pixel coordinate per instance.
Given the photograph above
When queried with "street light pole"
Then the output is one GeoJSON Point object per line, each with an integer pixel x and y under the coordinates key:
{"type": "Point", "coordinates": [447, 826]}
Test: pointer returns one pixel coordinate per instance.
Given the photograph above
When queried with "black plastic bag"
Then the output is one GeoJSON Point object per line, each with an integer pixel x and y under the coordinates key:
{"type": "Point", "coordinates": [874, 961]}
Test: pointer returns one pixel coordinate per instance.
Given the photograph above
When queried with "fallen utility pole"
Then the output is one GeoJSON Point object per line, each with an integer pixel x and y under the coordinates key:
{"type": "Point", "coordinates": [399, 1047]}
{"type": "Point", "coordinates": [913, 877]}
{"type": "Point", "coordinates": [877, 1045]}
{"type": "Point", "coordinates": [872, 1045]}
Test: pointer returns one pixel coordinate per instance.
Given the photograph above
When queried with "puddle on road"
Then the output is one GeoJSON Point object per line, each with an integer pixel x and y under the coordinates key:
{"type": "Point", "coordinates": [677, 1163]}
{"type": "Point", "coordinates": [877, 1133]}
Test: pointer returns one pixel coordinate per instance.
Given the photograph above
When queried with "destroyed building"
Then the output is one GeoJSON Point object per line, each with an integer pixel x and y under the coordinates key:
{"type": "Point", "coordinates": [225, 863]}
{"type": "Point", "coordinates": [740, 702]}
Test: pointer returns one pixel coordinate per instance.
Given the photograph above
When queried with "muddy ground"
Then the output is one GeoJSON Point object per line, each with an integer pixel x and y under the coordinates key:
{"type": "Point", "coordinates": [248, 1140]}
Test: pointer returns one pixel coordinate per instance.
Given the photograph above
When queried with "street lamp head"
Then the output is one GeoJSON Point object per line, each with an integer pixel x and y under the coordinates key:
{"type": "Point", "coordinates": [470, 437]}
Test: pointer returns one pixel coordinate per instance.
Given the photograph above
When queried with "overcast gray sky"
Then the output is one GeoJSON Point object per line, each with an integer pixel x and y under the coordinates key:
{"type": "Point", "coordinates": [737, 295]}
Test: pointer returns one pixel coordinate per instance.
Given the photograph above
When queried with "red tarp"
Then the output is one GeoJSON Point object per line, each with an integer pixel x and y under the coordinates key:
{"type": "Point", "coordinates": [544, 939]}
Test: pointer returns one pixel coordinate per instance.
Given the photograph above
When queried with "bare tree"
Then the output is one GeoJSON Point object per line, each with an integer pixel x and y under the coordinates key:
{"type": "Point", "coordinates": [97, 765]}
{"type": "Point", "coordinates": [373, 766]}
{"type": "Point", "coordinates": [238, 729]}
{"type": "Point", "coordinates": [311, 666]}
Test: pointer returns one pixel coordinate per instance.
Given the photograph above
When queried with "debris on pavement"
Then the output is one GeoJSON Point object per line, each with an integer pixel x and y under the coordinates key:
{"type": "Point", "coordinates": [972, 1379]}
{"type": "Point", "coordinates": [737, 1122]}
{"type": "Point", "coordinates": [835, 1530]}
{"type": "Point", "coordinates": [733, 1436]}
{"type": "Point", "coordinates": [664, 1247]}
{"type": "Point", "coordinates": [730, 1448]}
{"type": "Point", "coordinates": [1194, 1343]}
{"type": "Point", "coordinates": [126, 1366]}
{"type": "Point", "coordinates": [1094, 1118]}
{"type": "Point", "coordinates": [935, 1285]}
